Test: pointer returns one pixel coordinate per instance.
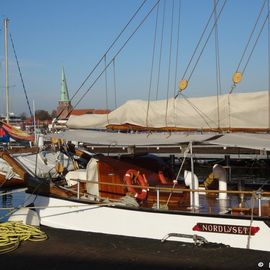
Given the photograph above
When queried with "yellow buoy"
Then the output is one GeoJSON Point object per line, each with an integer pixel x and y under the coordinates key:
{"type": "Point", "coordinates": [237, 77]}
{"type": "Point", "coordinates": [182, 85]}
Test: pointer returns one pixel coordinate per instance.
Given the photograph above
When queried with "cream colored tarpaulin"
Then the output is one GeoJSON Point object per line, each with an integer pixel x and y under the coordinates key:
{"type": "Point", "coordinates": [240, 110]}
{"type": "Point", "coordinates": [244, 140]}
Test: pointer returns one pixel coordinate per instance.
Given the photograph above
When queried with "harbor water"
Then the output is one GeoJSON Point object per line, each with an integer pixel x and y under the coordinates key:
{"type": "Point", "coordinates": [9, 201]}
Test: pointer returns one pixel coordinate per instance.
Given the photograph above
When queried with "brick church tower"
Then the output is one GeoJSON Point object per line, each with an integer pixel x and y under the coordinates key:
{"type": "Point", "coordinates": [64, 104]}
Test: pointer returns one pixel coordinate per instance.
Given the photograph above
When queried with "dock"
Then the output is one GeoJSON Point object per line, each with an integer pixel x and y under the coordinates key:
{"type": "Point", "coordinates": [65, 249]}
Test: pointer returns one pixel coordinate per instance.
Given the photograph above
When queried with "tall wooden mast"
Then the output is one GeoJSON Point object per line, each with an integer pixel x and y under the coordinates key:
{"type": "Point", "coordinates": [6, 20]}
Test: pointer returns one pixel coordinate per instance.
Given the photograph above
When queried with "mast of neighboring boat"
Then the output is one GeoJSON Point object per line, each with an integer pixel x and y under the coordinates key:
{"type": "Point", "coordinates": [268, 68]}
{"type": "Point", "coordinates": [6, 20]}
{"type": "Point", "coordinates": [192, 203]}
{"type": "Point", "coordinates": [34, 122]}
{"type": "Point", "coordinates": [218, 79]}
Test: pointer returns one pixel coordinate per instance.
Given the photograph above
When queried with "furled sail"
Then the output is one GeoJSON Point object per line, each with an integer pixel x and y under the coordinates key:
{"type": "Point", "coordinates": [16, 134]}
{"type": "Point", "coordinates": [4, 137]}
{"type": "Point", "coordinates": [235, 112]}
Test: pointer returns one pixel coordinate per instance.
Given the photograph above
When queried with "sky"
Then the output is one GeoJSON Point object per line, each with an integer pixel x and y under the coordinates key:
{"type": "Point", "coordinates": [75, 34]}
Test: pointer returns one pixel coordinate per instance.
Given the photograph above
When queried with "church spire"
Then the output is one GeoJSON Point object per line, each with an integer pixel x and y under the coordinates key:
{"type": "Point", "coordinates": [64, 105]}
{"type": "Point", "coordinates": [64, 90]}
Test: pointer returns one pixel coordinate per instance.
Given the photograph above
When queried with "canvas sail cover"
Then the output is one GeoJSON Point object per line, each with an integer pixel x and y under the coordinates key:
{"type": "Point", "coordinates": [16, 134]}
{"type": "Point", "coordinates": [4, 137]}
{"type": "Point", "coordinates": [229, 111]}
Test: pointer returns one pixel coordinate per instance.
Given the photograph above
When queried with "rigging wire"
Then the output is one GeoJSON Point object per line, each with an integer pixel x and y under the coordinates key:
{"type": "Point", "coordinates": [101, 59]}
{"type": "Point", "coordinates": [179, 171]}
{"type": "Point", "coordinates": [200, 113]}
{"type": "Point", "coordinates": [114, 85]}
{"type": "Point", "coordinates": [249, 57]}
{"type": "Point", "coordinates": [170, 60]}
{"type": "Point", "coordinates": [209, 35]}
{"type": "Point", "coordinates": [251, 34]}
{"type": "Point", "coordinates": [106, 82]}
{"type": "Point", "coordinates": [183, 83]}
{"type": "Point", "coordinates": [160, 50]}
{"type": "Point", "coordinates": [268, 7]}
{"type": "Point", "coordinates": [177, 47]}
{"type": "Point", "coordinates": [113, 43]}
{"type": "Point", "coordinates": [19, 69]}
{"type": "Point", "coordinates": [152, 66]}
{"type": "Point", "coordinates": [116, 54]}
{"type": "Point", "coordinates": [252, 50]}
{"type": "Point", "coordinates": [106, 87]}
{"type": "Point", "coordinates": [176, 61]}
{"type": "Point", "coordinates": [200, 39]}
{"type": "Point", "coordinates": [255, 43]}
{"type": "Point", "coordinates": [218, 79]}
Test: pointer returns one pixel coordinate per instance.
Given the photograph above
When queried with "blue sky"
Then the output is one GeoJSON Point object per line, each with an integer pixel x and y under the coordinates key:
{"type": "Point", "coordinates": [51, 34]}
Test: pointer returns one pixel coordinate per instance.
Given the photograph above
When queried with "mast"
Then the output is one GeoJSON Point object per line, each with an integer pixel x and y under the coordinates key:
{"type": "Point", "coordinates": [218, 81]}
{"type": "Point", "coordinates": [268, 9]}
{"type": "Point", "coordinates": [6, 20]}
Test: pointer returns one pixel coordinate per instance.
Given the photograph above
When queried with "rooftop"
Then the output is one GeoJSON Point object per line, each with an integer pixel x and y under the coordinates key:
{"type": "Point", "coordinates": [89, 111]}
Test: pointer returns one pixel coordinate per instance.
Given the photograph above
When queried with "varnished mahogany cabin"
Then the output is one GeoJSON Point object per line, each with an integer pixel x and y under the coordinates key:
{"type": "Point", "coordinates": [112, 170]}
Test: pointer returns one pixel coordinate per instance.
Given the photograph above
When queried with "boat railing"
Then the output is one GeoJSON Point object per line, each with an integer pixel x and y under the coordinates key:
{"type": "Point", "coordinates": [255, 194]}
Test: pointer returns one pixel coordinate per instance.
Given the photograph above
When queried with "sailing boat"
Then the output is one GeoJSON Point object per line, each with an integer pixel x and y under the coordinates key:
{"type": "Point", "coordinates": [139, 195]}
{"type": "Point", "coordinates": [9, 175]}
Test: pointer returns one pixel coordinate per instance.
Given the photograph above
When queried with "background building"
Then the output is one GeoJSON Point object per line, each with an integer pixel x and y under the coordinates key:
{"type": "Point", "coordinates": [64, 105]}
{"type": "Point", "coordinates": [64, 108]}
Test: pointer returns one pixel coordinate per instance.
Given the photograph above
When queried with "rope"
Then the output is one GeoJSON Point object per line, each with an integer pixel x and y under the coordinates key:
{"type": "Point", "coordinates": [21, 76]}
{"type": "Point", "coordinates": [185, 156]}
{"type": "Point", "coordinates": [200, 113]}
{"type": "Point", "coordinates": [229, 105]}
{"type": "Point", "coordinates": [13, 191]}
{"type": "Point", "coordinates": [160, 50]}
{"type": "Point", "coordinates": [266, 18]}
{"type": "Point", "coordinates": [200, 39]}
{"type": "Point", "coordinates": [209, 35]}
{"type": "Point", "coordinates": [161, 206]}
{"type": "Point", "coordinates": [13, 233]}
{"type": "Point", "coordinates": [251, 217]}
{"type": "Point", "coordinates": [255, 43]}
{"type": "Point", "coordinates": [177, 48]}
{"type": "Point", "coordinates": [178, 174]}
{"type": "Point", "coordinates": [112, 202]}
{"type": "Point", "coordinates": [114, 85]}
{"type": "Point", "coordinates": [106, 87]}
{"type": "Point", "coordinates": [205, 43]}
{"type": "Point", "coordinates": [249, 57]}
{"type": "Point", "coordinates": [169, 68]}
{"type": "Point", "coordinates": [129, 201]}
{"type": "Point", "coordinates": [251, 34]}
{"type": "Point", "coordinates": [110, 47]}
{"type": "Point", "coordinates": [116, 54]}
{"type": "Point", "coordinates": [152, 66]}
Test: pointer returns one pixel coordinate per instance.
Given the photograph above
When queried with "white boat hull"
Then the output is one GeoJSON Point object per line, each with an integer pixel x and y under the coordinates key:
{"type": "Point", "coordinates": [59, 213]}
